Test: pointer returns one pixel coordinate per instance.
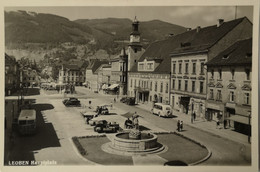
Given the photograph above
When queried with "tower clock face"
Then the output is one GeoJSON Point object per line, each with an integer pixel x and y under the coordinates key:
{"type": "Point", "coordinates": [134, 38]}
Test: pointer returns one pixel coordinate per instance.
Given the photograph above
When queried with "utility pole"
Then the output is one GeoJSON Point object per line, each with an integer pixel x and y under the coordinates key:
{"type": "Point", "coordinates": [235, 12]}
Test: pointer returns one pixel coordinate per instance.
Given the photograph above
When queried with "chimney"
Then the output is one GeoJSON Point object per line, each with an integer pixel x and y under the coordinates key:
{"type": "Point", "coordinates": [220, 22]}
{"type": "Point", "coordinates": [188, 29]}
{"type": "Point", "coordinates": [198, 29]}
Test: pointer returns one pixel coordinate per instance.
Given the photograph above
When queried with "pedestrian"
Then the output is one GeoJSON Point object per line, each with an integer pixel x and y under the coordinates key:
{"type": "Point", "coordinates": [192, 117]}
{"type": "Point", "coordinates": [181, 125]}
{"type": "Point", "coordinates": [217, 124]}
{"type": "Point", "coordinates": [114, 100]}
{"type": "Point", "coordinates": [178, 125]}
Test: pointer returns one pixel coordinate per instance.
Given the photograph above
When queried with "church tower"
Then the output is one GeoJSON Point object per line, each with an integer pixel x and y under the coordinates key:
{"type": "Point", "coordinates": [134, 48]}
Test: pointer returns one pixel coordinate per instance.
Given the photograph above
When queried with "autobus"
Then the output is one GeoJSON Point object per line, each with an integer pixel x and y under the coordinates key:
{"type": "Point", "coordinates": [27, 122]}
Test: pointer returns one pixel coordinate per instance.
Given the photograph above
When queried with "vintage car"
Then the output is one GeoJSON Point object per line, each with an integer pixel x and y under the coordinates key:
{"type": "Point", "coordinates": [104, 126]}
{"type": "Point", "coordinates": [128, 100]}
{"type": "Point", "coordinates": [95, 121]}
{"type": "Point", "coordinates": [88, 115]}
{"type": "Point", "coordinates": [102, 109]}
{"type": "Point", "coordinates": [71, 102]}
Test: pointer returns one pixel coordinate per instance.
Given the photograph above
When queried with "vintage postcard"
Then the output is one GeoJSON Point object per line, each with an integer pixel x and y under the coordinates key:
{"type": "Point", "coordinates": [120, 85]}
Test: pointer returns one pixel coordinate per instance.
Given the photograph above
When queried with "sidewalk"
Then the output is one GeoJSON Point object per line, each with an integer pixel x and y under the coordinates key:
{"type": "Point", "coordinates": [204, 125]}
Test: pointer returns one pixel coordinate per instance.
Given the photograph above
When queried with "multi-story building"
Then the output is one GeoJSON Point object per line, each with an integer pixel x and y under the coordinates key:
{"type": "Point", "coordinates": [119, 72]}
{"type": "Point", "coordinates": [229, 86]}
{"type": "Point", "coordinates": [104, 76]}
{"type": "Point", "coordinates": [92, 80]}
{"type": "Point", "coordinates": [29, 77]}
{"type": "Point", "coordinates": [73, 72]}
{"type": "Point", "coordinates": [11, 75]}
{"type": "Point", "coordinates": [195, 48]}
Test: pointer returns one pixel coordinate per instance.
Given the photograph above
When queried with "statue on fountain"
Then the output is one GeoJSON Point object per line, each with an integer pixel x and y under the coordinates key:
{"type": "Point", "coordinates": [135, 133]}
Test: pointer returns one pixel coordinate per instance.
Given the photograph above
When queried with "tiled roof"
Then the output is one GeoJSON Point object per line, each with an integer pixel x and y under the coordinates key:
{"type": "Point", "coordinates": [95, 64]}
{"type": "Point", "coordinates": [188, 41]}
{"type": "Point", "coordinates": [75, 64]}
{"type": "Point", "coordinates": [240, 53]}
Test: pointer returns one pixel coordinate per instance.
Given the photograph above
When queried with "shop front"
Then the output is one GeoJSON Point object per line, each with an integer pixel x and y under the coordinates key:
{"type": "Point", "coordinates": [214, 111]}
{"type": "Point", "coordinates": [242, 120]}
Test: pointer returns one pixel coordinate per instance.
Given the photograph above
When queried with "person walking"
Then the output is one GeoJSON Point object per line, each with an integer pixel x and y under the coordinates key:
{"type": "Point", "coordinates": [181, 125]}
{"type": "Point", "coordinates": [217, 124]}
{"type": "Point", "coordinates": [192, 117]}
{"type": "Point", "coordinates": [178, 125]}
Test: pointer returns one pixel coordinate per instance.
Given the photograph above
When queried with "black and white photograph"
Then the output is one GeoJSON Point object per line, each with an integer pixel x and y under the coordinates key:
{"type": "Point", "coordinates": [130, 85]}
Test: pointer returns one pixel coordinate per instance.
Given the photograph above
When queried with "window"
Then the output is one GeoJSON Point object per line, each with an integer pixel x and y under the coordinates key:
{"type": "Point", "coordinates": [139, 83]}
{"type": "Point", "coordinates": [232, 74]}
{"type": "Point", "coordinates": [141, 67]}
{"type": "Point", "coordinates": [193, 86]}
{"type": "Point", "coordinates": [211, 94]}
{"type": "Point", "coordinates": [173, 84]}
{"type": "Point", "coordinates": [219, 95]}
{"type": "Point", "coordinates": [201, 87]}
{"type": "Point", "coordinates": [186, 85]}
{"type": "Point", "coordinates": [131, 83]}
{"type": "Point", "coordinates": [202, 68]}
{"type": "Point", "coordinates": [174, 68]}
{"type": "Point", "coordinates": [180, 67]}
{"type": "Point", "coordinates": [220, 73]}
{"type": "Point", "coordinates": [149, 65]}
{"type": "Point", "coordinates": [247, 98]}
{"type": "Point", "coordinates": [212, 74]}
{"type": "Point", "coordinates": [161, 89]}
{"type": "Point", "coordinates": [151, 85]}
{"type": "Point", "coordinates": [187, 68]}
{"type": "Point", "coordinates": [247, 74]}
{"type": "Point", "coordinates": [179, 87]}
{"type": "Point", "coordinates": [167, 87]}
{"type": "Point", "coordinates": [155, 86]}
{"type": "Point", "coordinates": [193, 68]}
{"type": "Point", "coordinates": [231, 96]}
{"type": "Point", "coordinates": [135, 82]}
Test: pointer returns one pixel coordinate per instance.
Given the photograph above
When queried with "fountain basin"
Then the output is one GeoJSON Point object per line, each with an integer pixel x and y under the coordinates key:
{"type": "Point", "coordinates": [147, 142]}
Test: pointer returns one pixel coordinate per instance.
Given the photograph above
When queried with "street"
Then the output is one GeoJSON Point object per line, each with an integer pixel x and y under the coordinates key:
{"type": "Point", "coordinates": [57, 124]}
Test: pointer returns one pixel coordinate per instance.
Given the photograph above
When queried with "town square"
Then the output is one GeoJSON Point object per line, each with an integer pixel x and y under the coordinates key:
{"type": "Point", "coordinates": [128, 91]}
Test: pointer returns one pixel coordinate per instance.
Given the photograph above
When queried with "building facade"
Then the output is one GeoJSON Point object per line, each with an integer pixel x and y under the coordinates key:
{"type": "Point", "coordinates": [119, 72]}
{"type": "Point", "coordinates": [196, 47]}
{"type": "Point", "coordinates": [12, 80]}
{"type": "Point", "coordinates": [73, 72]}
{"type": "Point", "coordinates": [229, 87]}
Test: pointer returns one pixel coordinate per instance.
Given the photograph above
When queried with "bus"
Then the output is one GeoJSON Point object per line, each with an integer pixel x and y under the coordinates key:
{"type": "Point", "coordinates": [27, 122]}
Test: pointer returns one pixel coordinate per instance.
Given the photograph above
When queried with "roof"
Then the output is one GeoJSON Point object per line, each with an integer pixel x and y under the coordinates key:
{"type": "Point", "coordinates": [27, 114]}
{"type": "Point", "coordinates": [75, 64]}
{"type": "Point", "coordinates": [188, 41]}
{"type": "Point", "coordinates": [95, 64]}
{"type": "Point", "coordinates": [240, 53]}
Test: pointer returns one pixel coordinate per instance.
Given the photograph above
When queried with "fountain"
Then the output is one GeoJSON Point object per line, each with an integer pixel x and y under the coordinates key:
{"type": "Point", "coordinates": [134, 142]}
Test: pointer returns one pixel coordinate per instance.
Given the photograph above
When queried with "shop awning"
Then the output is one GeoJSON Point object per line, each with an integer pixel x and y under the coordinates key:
{"type": "Point", "coordinates": [240, 119]}
{"type": "Point", "coordinates": [113, 86]}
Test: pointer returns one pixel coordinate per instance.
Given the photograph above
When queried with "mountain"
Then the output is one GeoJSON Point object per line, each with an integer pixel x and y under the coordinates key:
{"type": "Point", "coordinates": [120, 29]}
{"type": "Point", "coordinates": [38, 35]}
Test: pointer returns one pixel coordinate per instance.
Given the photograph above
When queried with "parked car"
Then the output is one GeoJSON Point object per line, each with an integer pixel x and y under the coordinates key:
{"type": "Point", "coordinates": [94, 121]}
{"type": "Point", "coordinates": [71, 102]}
{"type": "Point", "coordinates": [88, 115]}
{"type": "Point", "coordinates": [102, 109]}
{"type": "Point", "coordinates": [162, 109]}
{"type": "Point", "coordinates": [104, 126]}
{"type": "Point", "coordinates": [128, 100]}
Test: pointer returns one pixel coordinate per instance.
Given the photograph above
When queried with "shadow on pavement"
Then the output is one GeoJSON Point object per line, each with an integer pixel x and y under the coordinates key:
{"type": "Point", "coordinates": [26, 146]}
{"type": "Point", "coordinates": [28, 92]}
{"type": "Point", "coordinates": [175, 163]}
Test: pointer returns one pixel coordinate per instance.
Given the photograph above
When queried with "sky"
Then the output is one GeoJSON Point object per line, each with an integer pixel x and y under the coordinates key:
{"type": "Point", "coordinates": [188, 16]}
